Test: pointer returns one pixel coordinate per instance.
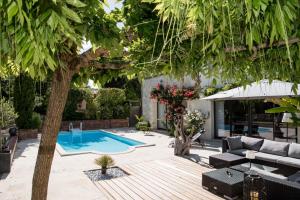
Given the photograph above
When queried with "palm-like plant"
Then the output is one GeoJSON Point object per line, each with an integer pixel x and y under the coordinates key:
{"type": "Point", "coordinates": [289, 105]}
{"type": "Point", "coordinates": [104, 161]}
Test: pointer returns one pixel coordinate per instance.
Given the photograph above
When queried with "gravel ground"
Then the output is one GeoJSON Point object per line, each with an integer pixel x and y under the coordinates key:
{"type": "Point", "coordinates": [114, 172]}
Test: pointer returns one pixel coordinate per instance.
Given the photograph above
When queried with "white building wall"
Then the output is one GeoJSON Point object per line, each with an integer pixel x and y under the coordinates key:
{"type": "Point", "coordinates": [149, 106]}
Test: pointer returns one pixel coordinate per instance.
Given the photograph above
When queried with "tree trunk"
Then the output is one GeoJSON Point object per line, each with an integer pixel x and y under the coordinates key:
{"type": "Point", "coordinates": [59, 92]}
{"type": "Point", "coordinates": [182, 148]}
{"type": "Point", "coordinates": [182, 142]}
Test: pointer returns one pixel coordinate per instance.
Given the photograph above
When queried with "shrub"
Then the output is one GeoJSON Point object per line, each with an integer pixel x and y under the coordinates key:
{"type": "Point", "coordinates": [142, 124]}
{"type": "Point", "coordinates": [104, 161]}
{"type": "Point", "coordinates": [74, 97]}
{"type": "Point", "coordinates": [7, 114]}
{"type": "Point", "coordinates": [133, 89]}
{"type": "Point", "coordinates": [111, 104]}
{"type": "Point", "coordinates": [36, 121]}
{"type": "Point", "coordinates": [24, 95]}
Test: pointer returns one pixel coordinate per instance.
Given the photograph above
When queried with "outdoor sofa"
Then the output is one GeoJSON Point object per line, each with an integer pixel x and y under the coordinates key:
{"type": "Point", "coordinates": [285, 183]}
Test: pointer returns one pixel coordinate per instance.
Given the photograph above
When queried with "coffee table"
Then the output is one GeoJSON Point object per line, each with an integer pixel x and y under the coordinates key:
{"type": "Point", "coordinates": [226, 160]}
{"type": "Point", "coordinates": [225, 182]}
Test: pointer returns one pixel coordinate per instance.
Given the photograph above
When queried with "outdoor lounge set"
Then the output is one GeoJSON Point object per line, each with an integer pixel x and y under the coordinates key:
{"type": "Point", "coordinates": [276, 163]}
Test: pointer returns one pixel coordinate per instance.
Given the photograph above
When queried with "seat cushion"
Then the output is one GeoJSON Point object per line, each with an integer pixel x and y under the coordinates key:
{"type": "Point", "coordinates": [267, 173]}
{"type": "Point", "coordinates": [240, 152]}
{"type": "Point", "coordinates": [267, 157]}
{"type": "Point", "coordinates": [293, 162]}
{"type": "Point", "coordinates": [294, 150]}
{"type": "Point", "coordinates": [234, 142]}
{"type": "Point", "coordinates": [295, 177]}
{"type": "Point", "coordinates": [251, 143]}
{"type": "Point", "coordinates": [276, 148]}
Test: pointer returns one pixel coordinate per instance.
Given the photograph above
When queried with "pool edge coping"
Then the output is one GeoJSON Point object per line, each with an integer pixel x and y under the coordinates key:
{"type": "Point", "coordinates": [62, 152]}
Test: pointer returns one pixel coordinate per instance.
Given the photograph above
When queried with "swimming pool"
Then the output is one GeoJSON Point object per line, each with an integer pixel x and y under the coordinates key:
{"type": "Point", "coordinates": [94, 141]}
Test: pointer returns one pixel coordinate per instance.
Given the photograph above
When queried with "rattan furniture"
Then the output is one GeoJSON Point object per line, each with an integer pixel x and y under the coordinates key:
{"type": "Point", "coordinates": [224, 182]}
{"type": "Point", "coordinates": [225, 160]}
{"type": "Point", "coordinates": [277, 186]}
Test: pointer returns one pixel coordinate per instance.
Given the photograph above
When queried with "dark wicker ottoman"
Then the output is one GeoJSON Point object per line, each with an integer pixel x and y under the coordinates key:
{"type": "Point", "coordinates": [226, 160]}
{"type": "Point", "coordinates": [220, 183]}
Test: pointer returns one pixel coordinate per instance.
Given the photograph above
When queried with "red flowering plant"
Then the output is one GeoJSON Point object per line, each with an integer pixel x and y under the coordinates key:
{"type": "Point", "coordinates": [173, 97]}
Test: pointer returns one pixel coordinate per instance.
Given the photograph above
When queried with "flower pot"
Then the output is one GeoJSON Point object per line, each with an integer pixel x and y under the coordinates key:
{"type": "Point", "coordinates": [6, 156]}
{"type": "Point", "coordinates": [12, 131]}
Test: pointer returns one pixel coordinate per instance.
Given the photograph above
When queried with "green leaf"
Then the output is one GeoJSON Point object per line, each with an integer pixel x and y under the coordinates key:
{"type": "Point", "coordinates": [76, 3]}
{"type": "Point", "coordinates": [71, 14]}
{"type": "Point", "coordinates": [281, 110]}
{"type": "Point", "coordinates": [12, 11]}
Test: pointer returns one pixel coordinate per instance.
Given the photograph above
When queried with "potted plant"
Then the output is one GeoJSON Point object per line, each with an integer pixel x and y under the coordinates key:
{"type": "Point", "coordinates": [104, 161]}
{"type": "Point", "coordinates": [142, 124]}
{"type": "Point", "coordinates": [8, 140]}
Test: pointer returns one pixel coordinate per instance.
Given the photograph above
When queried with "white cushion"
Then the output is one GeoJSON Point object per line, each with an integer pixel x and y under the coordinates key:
{"type": "Point", "coordinates": [267, 157]}
{"type": "Point", "coordinates": [276, 148]}
{"type": "Point", "coordinates": [293, 162]}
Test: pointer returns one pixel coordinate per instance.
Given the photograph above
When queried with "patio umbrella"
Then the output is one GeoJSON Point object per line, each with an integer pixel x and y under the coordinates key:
{"type": "Point", "coordinates": [257, 90]}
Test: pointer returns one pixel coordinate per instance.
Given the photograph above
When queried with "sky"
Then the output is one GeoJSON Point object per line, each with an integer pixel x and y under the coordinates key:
{"type": "Point", "coordinates": [112, 5]}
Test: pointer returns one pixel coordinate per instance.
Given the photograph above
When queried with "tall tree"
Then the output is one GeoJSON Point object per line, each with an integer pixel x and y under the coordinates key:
{"type": "Point", "coordinates": [41, 36]}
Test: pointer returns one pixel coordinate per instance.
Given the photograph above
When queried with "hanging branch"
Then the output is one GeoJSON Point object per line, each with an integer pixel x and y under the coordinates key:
{"type": "Point", "coordinates": [109, 65]}
{"type": "Point", "coordinates": [262, 46]}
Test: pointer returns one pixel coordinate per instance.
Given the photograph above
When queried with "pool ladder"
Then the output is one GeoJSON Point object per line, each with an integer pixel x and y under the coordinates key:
{"type": "Point", "coordinates": [76, 132]}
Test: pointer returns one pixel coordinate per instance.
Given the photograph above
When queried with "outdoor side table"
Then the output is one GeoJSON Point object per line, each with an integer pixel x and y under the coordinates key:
{"type": "Point", "coordinates": [224, 182]}
{"type": "Point", "coordinates": [226, 160]}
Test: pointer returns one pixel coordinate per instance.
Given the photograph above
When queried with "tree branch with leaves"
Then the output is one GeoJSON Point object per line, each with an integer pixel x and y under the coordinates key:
{"type": "Point", "coordinates": [41, 37]}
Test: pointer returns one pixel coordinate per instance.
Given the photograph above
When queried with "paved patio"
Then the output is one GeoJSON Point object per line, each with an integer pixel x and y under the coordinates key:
{"type": "Point", "coordinates": [147, 166]}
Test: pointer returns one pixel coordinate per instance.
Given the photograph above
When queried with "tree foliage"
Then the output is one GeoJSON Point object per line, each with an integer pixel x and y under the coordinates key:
{"type": "Point", "coordinates": [75, 96]}
{"type": "Point", "coordinates": [111, 104]}
{"type": "Point", "coordinates": [250, 39]}
{"type": "Point", "coordinates": [7, 114]}
{"type": "Point", "coordinates": [287, 105]}
{"type": "Point", "coordinates": [42, 31]}
{"type": "Point", "coordinates": [37, 37]}
{"type": "Point", "coordinates": [24, 95]}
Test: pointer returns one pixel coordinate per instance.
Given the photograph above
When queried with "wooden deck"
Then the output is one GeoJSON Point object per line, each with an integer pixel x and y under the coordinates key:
{"type": "Point", "coordinates": [171, 179]}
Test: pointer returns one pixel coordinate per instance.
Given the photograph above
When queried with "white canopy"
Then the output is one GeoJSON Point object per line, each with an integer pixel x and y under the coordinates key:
{"type": "Point", "coordinates": [257, 90]}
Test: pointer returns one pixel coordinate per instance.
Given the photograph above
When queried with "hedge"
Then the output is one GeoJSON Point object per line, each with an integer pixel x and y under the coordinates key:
{"type": "Point", "coordinates": [111, 104]}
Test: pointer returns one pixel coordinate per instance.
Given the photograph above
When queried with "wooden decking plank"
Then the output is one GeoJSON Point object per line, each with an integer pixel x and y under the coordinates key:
{"type": "Point", "coordinates": [154, 188]}
{"type": "Point", "coordinates": [187, 187]}
{"type": "Point", "coordinates": [184, 183]}
{"type": "Point", "coordinates": [186, 162]}
{"type": "Point", "coordinates": [126, 189]}
{"type": "Point", "coordinates": [194, 166]}
{"type": "Point", "coordinates": [200, 176]}
{"type": "Point", "coordinates": [168, 179]}
{"type": "Point", "coordinates": [178, 170]}
{"type": "Point", "coordinates": [180, 175]}
{"type": "Point", "coordinates": [103, 191]}
{"type": "Point", "coordinates": [175, 184]}
{"type": "Point", "coordinates": [167, 173]}
{"type": "Point", "coordinates": [122, 193]}
{"type": "Point", "coordinates": [109, 189]}
{"type": "Point", "coordinates": [138, 189]}
{"type": "Point", "coordinates": [167, 185]}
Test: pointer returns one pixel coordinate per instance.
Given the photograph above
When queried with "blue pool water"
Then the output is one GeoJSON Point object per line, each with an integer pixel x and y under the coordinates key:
{"type": "Point", "coordinates": [94, 141]}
